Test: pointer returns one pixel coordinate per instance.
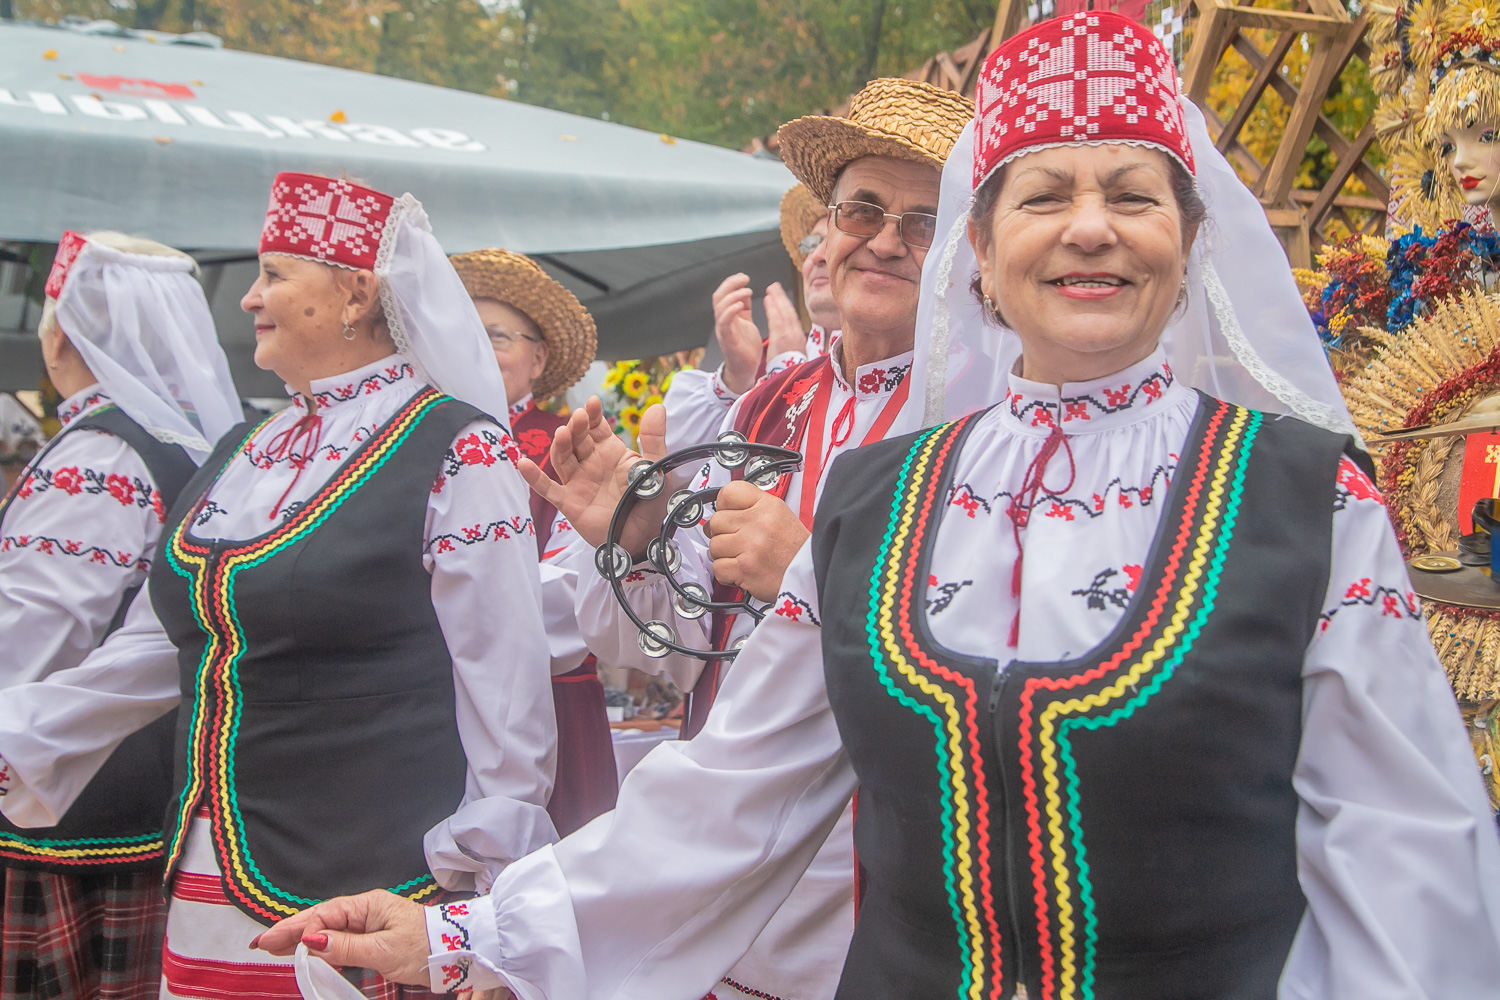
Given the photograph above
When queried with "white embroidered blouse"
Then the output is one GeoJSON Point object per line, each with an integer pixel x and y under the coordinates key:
{"type": "Point", "coordinates": [77, 536]}
{"type": "Point", "coordinates": [1397, 852]}
{"type": "Point", "coordinates": [480, 549]}
{"type": "Point", "coordinates": [697, 401]}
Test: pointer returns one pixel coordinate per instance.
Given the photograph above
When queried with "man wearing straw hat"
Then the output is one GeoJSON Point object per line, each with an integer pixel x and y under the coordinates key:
{"type": "Point", "coordinates": [544, 340]}
{"type": "Point", "coordinates": [698, 401]}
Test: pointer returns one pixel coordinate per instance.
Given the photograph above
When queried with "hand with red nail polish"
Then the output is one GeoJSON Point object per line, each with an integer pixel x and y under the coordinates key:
{"type": "Point", "coordinates": [374, 930]}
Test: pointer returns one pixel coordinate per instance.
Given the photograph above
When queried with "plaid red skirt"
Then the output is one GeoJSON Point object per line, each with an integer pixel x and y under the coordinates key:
{"type": "Point", "coordinates": [81, 937]}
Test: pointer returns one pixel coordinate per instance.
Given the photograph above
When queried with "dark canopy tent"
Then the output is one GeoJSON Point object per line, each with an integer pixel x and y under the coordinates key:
{"type": "Point", "coordinates": [178, 139]}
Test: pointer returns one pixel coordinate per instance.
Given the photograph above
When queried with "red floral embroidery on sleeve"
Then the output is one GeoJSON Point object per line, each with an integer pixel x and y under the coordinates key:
{"type": "Point", "coordinates": [1353, 483]}
{"type": "Point", "coordinates": [473, 450]}
{"type": "Point", "coordinates": [792, 607]}
{"type": "Point", "coordinates": [68, 480]}
{"type": "Point", "coordinates": [121, 489]}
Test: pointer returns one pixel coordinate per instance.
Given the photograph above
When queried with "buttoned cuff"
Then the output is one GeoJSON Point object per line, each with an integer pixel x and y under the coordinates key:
{"type": "Point", "coordinates": [464, 942]}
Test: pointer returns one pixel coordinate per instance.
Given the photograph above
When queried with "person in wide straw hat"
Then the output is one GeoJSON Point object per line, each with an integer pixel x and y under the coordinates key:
{"type": "Point", "coordinates": [697, 400]}
{"type": "Point", "coordinates": [550, 337]}
{"type": "Point", "coordinates": [877, 172]}
{"type": "Point", "coordinates": [544, 340]}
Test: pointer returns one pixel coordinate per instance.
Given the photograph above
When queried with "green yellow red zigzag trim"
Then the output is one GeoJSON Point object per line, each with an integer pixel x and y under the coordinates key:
{"type": "Point", "coordinates": [214, 724]}
{"type": "Point", "coordinates": [1183, 600]}
{"type": "Point", "coordinates": [96, 851]}
{"type": "Point", "coordinates": [946, 699]}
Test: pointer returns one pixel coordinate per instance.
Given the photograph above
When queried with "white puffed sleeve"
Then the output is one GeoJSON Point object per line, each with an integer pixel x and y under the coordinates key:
{"type": "Point", "coordinates": [55, 734]}
{"type": "Point", "coordinates": [566, 557]}
{"type": "Point", "coordinates": [1397, 850]}
{"type": "Point", "coordinates": [481, 552]}
{"type": "Point", "coordinates": [79, 533]}
{"type": "Point", "coordinates": [697, 404]}
{"type": "Point", "coordinates": [662, 896]}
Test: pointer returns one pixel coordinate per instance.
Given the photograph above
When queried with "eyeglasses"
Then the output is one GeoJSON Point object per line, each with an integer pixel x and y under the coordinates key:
{"type": "Point", "coordinates": [860, 218]}
{"type": "Point", "coordinates": [807, 244]}
{"type": "Point", "coordinates": [505, 340]}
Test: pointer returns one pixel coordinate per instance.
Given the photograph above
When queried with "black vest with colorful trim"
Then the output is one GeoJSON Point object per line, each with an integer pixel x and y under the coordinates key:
{"type": "Point", "coordinates": [1120, 826]}
{"type": "Point", "coordinates": [318, 727]}
{"type": "Point", "coordinates": [115, 823]}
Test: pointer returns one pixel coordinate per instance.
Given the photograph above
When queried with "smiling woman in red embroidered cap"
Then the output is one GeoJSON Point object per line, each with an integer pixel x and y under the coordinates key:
{"type": "Point", "coordinates": [345, 601]}
{"type": "Point", "coordinates": [1126, 673]}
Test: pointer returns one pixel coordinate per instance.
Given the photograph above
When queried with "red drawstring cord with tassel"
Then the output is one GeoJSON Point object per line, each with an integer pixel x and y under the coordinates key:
{"type": "Point", "coordinates": [309, 430]}
{"type": "Point", "coordinates": [1019, 510]}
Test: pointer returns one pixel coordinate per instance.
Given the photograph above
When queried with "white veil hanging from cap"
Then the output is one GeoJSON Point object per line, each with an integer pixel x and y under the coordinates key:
{"type": "Point", "coordinates": [1244, 336]}
{"type": "Point", "coordinates": [431, 316]}
{"type": "Point", "coordinates": [143, 327]}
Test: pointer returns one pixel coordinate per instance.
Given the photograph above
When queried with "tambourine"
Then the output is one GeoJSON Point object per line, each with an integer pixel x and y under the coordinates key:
{"type": "Point", "coordinates": [763, 466]}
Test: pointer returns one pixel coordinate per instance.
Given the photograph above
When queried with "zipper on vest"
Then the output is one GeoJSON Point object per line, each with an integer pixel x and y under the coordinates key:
{"type": "Point", "coordinates": [996, 691]}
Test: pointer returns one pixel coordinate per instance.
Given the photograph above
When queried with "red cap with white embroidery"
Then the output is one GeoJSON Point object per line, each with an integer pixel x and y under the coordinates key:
{"type": "Point", "coordinates": [68, 249]}
{"type": "Point", "coordinates": [326, 219]}
{"type": "Point", "coordinates": [1092, 77]}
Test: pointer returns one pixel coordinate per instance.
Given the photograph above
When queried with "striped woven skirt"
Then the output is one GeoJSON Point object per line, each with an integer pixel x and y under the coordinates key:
{"type": "Point", "coordinates": [207, 953]}
{"type": "Point", "coordinates": [83, 936]}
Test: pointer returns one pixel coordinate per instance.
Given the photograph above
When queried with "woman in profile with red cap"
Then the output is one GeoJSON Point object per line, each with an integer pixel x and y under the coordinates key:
{"type": "Point", "coordinates": [345, 602]}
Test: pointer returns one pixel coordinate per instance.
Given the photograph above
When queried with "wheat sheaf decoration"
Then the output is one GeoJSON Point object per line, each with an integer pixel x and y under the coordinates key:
{"type": "Point", "coordinates": [1433, 372]}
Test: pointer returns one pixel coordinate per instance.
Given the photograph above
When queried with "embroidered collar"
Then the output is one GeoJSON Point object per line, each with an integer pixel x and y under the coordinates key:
{"type": "Point", "coordinates": [377, 376]}
{"type": "Point", "coordinates": [519, 408]}
{"type": "Point", "coordinates": [1140, 391]}
{"type": "Point", "coordinates": [81, 402]}
{"type": "Point", "coordinates": [872, 381]}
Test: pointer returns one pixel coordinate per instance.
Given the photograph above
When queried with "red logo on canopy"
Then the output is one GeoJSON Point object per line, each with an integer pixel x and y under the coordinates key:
{"type": "Point", "coordinates": [131, 87]}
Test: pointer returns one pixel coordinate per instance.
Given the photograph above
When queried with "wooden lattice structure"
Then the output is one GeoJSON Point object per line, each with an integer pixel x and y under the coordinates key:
{"type": "Point", "coordinates": [1300, 216]}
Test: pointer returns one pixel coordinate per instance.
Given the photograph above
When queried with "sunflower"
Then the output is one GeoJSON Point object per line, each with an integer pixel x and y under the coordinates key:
{"type": "Point", "coordinates": [613, 376]}
{"type": "Point", "coordinates": [630, 420]}
{"type": "Point", "coordinates": [634, 384]}
{"type": "Point", "coordinates": [650, 401]}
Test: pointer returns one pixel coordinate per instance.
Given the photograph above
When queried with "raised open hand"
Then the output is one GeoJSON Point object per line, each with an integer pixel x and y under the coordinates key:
{"type": "Point", "coordinates": [592, 467]}
{"type": "Point", "coordinates": [739, 338]}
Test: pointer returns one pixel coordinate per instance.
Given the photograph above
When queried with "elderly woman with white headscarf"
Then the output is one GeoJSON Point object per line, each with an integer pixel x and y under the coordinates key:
{"type": "Point", "coordinates": [128, 341]}
{"type": "Point", "coordinates": [1128, 677]}
{"type": "Point", "coordinates": [345, 601]}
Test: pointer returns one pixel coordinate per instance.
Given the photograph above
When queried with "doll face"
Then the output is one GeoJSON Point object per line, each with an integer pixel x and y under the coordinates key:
{"type": "Point", "coordinates": [1474, 160]}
